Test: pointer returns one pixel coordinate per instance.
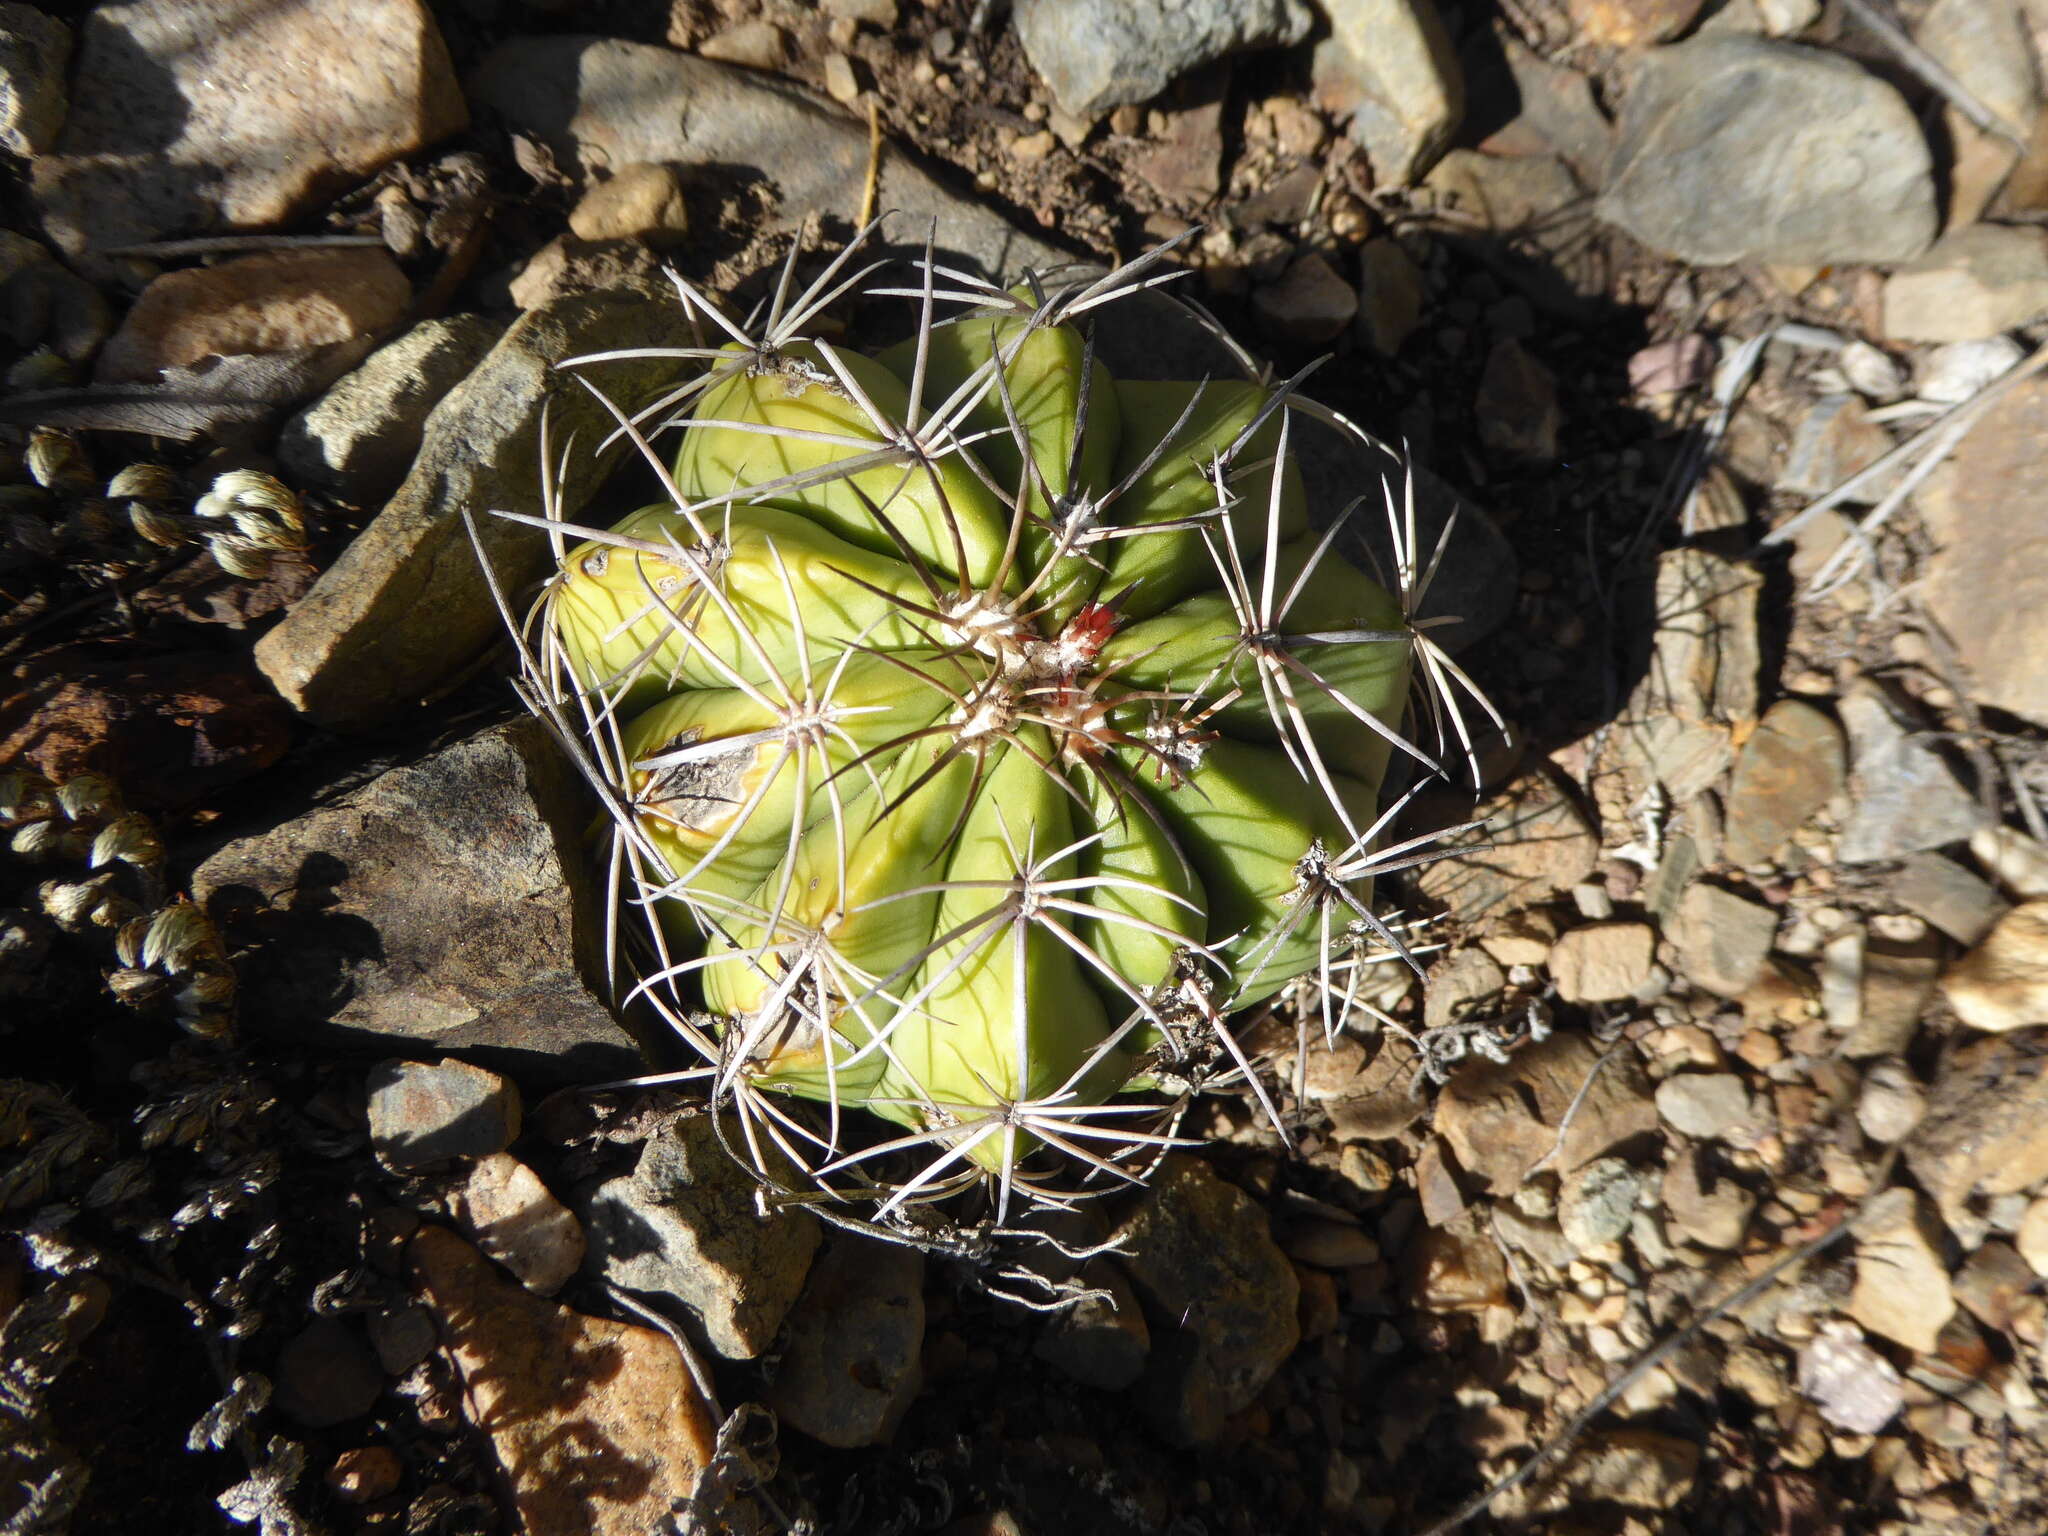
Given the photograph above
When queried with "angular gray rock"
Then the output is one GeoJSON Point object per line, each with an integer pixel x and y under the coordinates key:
{"type": "Point", "coordinates": [188, 115]}
{"type": "Point", "coordinates": [684, 1225]}
{"type": "Point", "coordinates": [1937, 888]}
{"type": "Point", "coordinates": [1099, 54]}
{"type": "Point", "coordinates": [1746, 149]}
{"type": "Point", "coordinates": [1389, 66]}
{"type": "Point", "coordinates": [359, 438]}
{"type": "Point", "coordinates": [852, 1360]}
{"type": "Point", "coordinates": [34, 51]}
{"type": "Point", "coordinates": [406, 607]}
{"type": "Point", "coordinates": [599, 102]}
{"type": "Point", "coordinates": [1903, 798]}
{"type": "Point", "coordinates": [1220, 1293]}
{"type": "Point", "coordinates": [1705, 1105]}
{"type": "Point", "coordinates": [1721, 939]}
{"type": "Point", "coordinates": [444, 904]}
{"type": "Point", "coordinates": [1597, 1203]}
{"type": "Point", "coordinates": [428, 1112]}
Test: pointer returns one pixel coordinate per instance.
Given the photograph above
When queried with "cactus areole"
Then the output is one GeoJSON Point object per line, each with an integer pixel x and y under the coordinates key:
{"type": "Point", "coordinates": [982, 729]}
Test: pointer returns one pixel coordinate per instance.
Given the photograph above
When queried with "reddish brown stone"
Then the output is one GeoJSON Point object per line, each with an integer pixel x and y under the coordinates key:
{"type": "Point", "coordinates": [598, 1425]}
{"type": "Point", "coordinates": [170, 730]}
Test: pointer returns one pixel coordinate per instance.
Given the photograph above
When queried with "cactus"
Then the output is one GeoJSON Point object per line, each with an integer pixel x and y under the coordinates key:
{"type": "Point", "coordinates": [980, 730]}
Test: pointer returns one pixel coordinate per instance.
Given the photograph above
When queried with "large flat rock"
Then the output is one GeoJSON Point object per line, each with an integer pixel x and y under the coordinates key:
{"type": "Point", "coordinates": [189, 115]}
{"type": "Point", "coordinates": [1748, 149]}
{"type": "Point", "coordinates": [601, 103]}
{"type": "Point", "coordinates": [442, 907]}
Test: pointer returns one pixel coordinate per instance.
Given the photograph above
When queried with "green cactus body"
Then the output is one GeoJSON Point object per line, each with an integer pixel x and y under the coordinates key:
{"type": "Point", "coordinates": [973, 742]}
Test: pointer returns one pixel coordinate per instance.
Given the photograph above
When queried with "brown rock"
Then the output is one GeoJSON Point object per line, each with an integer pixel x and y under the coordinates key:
{"type": "Point", "coordinates": [1703, 1205]}
{"type": "Point", "coordinates": [1500, 1119]}
{"type": "Point", "coordinates": [1518, 411]}
{"type": "Point", "coordinates": [366, 1474]}
{"type": "Point", "coordinates": [1791, 766]}
{"type": "Point", "coordinates": [566, 267]}
{"type": "Point", "coordinates": [513, 1218]}
{"type": "Point", "coordinates": [639, 202]}
{"type": "Point", "coordinates": [1986, 1129]}
{"type": "Point", "coordinates": [1602, 962]}
{"type": "Point", "coordinates": [1535, 844]}
{"type": "Point", "coordinates": [170, 730]}
{"type": "Point", "coordinates": [1631, 23]}
{"type": "Point", "coordinates": [1184, 163]}
{"type": "Point", "coordinates": [274, 301]}
{"type": "Point", "coordinates": [189, 115]}
{"type": "Point", "coordinates": [751, 44]}
{"type": "Point", "coordinates": [1456, 1269]}
{"type": "Point", "coordinates": [1973, 283]}
{"type": "Point", "coordinates": [1705, 663]}
{"type": "Point", "coordinates": [1101, 1341]}
{"type": "Point", "coordinates": [1635, 1468]}
{"type": "Point", "coordinates": [1221, 1295]}
{"type": "Point", "coordinates": [1996, 1285]}
{"type": "Point", "coordinates": [1508, 194]}
{"type": "Point", "coordinates": [1366, 1091]}
{"type": "Point", "coordinates": [852, 1362]}
{"type": "Point", "coordinates": [422, 1113]}
{"type": "Point", "coordinates": [597, 1426]}
{"type": "Point", "coordinates": [1391, 296]}
{"type": "Point", "coordinates": [1310, 305]}
{"type": "Point", "coordinates": [1902, 1288]}
{"type": "Point", "coordinates": [2032, 1237]}
{"type": "Point", "coordinates": [2003, 983]}
{"type": "Point", "coordinates": [326, 1375]}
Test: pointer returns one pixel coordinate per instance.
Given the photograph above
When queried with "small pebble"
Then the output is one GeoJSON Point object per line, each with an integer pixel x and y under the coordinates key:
{"type": "Point", "coordinates": [366, 1474]}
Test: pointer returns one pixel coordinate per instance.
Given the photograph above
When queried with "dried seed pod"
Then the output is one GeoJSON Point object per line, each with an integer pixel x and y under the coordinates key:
{"type": "Point", "coordinates": [164, 529]}
{"type": "Point", "coordinates": [144, 482]}
{"type": "Point", "coordinates": [178, 936]}
{"type": "Point", "coordinates": [208, 991]}
{"type": "Point", "coordinates": [70, 903]}
{"type": "Point", "coordinates": [57, 462]}
{"type": "Point", "coordinates": [249, 490]}
{"type": "Point", "coordinates": [240, 557]}
{"type": "Point", "coordinates": [130, 839]}
{"type": "Point", "coordinates": [24, 795]}
{"type": "Point", "coordinates": [139, 989]}
{"type": "Point", "coordinates": [89, 797]}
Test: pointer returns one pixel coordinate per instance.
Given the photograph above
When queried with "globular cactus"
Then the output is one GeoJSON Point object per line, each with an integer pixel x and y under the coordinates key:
{"type": "Point", "coordinates": [980, 729]}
